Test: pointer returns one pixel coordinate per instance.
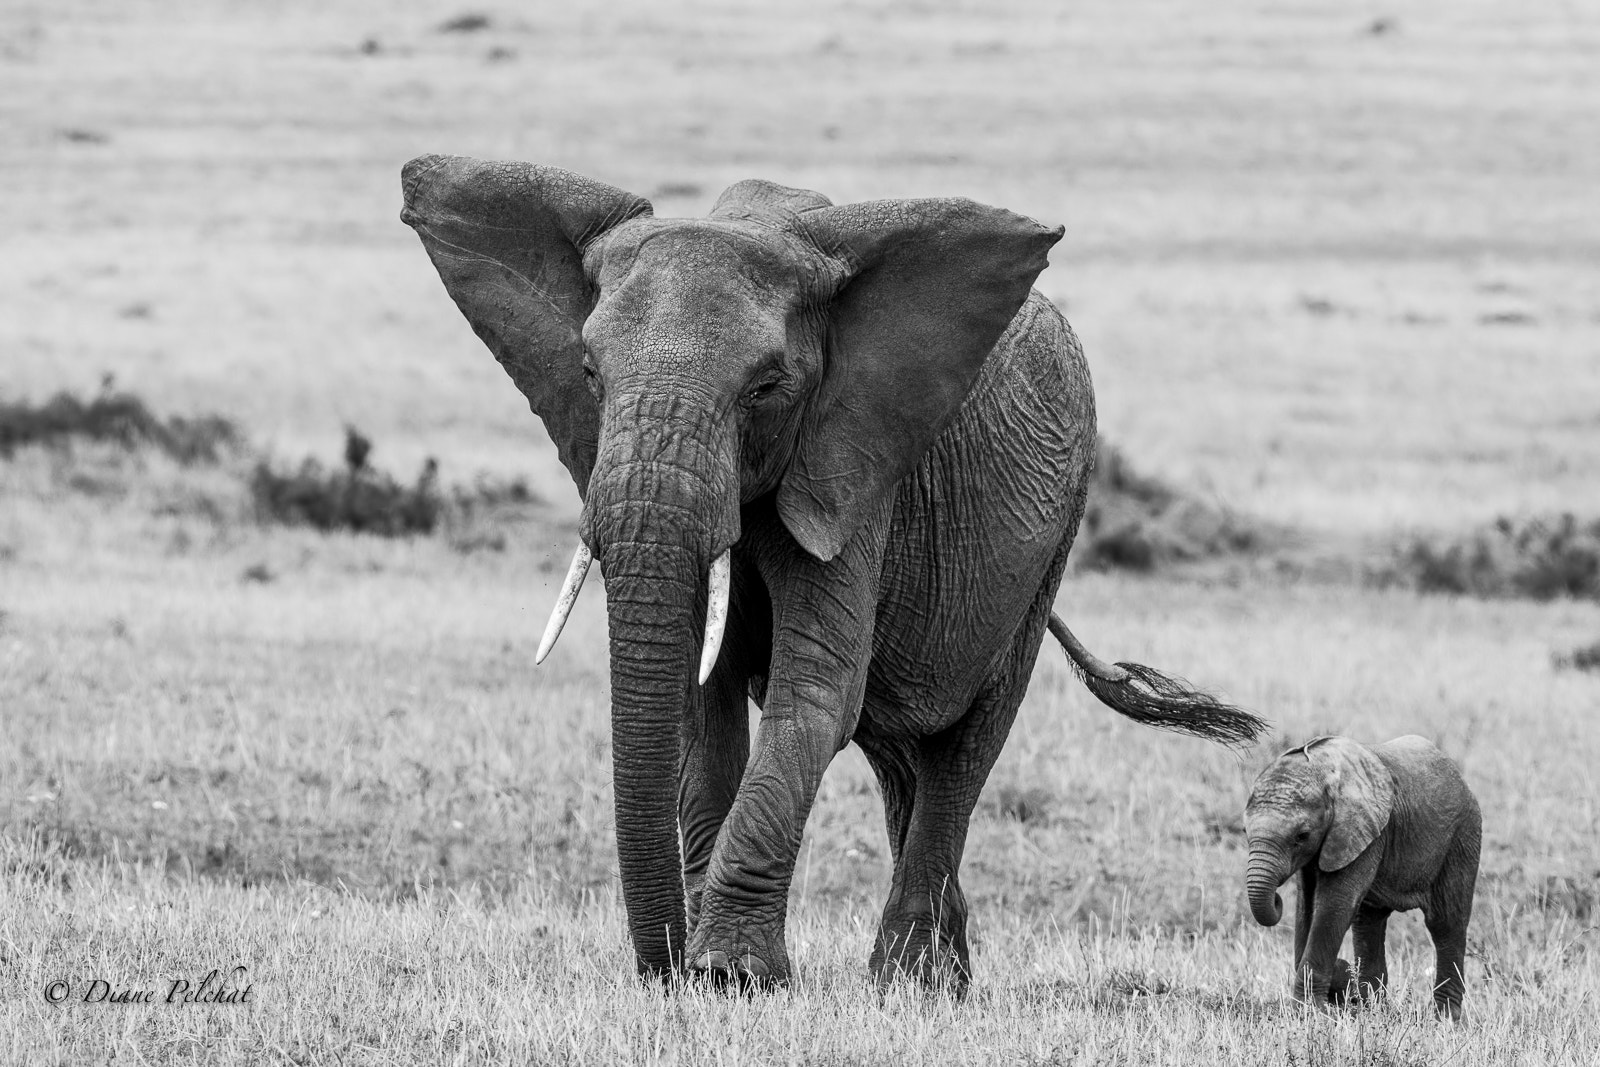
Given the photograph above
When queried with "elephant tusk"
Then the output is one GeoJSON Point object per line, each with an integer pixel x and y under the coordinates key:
{"type": "Point", "coordinates": [569, 596]}
{"type": "Point", "coordinates": [716, 613]}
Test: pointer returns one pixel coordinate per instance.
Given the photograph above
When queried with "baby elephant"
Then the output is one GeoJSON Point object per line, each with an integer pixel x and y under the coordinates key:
{"type": "Point", "coordinates": [1372, 830]}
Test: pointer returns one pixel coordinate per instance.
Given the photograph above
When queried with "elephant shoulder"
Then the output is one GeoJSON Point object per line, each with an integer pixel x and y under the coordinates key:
{"type": "Point", "coordinates": [1040, 358]}
{"type": "Point", "coordinates": [1430, 778]}
{"type": "Point", "coordinates": [1413, 751]}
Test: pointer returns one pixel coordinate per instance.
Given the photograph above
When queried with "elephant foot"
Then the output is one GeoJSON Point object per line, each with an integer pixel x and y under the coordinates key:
{"type": "Point", "coordinates": [1349, 989]}
{"type": "Point", "coordinates": [1341, 985]}
{"type": "Point", "coordinates": [921, 953]}
{"type": "Point", "coordinates": [742, 956]}
{"type": "Point", "coordinates": [1312, 992]}
{"type": "Point", "coordinates": [748, 973]}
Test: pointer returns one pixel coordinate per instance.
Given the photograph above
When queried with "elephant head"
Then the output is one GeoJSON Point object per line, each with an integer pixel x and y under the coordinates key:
{"type": "Point", "coordinates": [1325, 801]}
{"type": "Point", "coordinates": [782, 346]}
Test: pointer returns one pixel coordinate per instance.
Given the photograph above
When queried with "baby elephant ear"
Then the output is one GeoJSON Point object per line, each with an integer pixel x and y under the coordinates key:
{"type": "Point", "coordinates": [1363, 798]}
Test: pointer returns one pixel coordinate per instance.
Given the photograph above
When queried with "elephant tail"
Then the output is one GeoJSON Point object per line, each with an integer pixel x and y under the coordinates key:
{"type": "Point", "coordinates": [1147, 696]}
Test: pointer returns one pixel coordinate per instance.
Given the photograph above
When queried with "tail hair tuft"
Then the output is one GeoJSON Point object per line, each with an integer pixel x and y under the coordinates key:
{"type": "Point", "coordinates": [1147, 696]}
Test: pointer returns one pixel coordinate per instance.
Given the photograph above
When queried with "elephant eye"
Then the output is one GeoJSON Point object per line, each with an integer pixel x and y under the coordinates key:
{"type": "Point", "coordinates": [762, 387]}
{"type": "Point", "coordinates": [591, 378]}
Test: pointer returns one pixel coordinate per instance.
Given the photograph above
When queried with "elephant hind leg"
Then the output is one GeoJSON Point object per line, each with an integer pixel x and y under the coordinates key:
{"type": "Point", "coordinates": [1450, 960]}
{"type": "Point", "coordinates": [1448, 913]}
{"type": "Point", "coordinates": [923, 932]}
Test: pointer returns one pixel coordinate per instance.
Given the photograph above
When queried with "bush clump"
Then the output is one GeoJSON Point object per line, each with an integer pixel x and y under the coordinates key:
{"type": "Point", "coordinates": [119, 418]}
{"type": "Point", "coordinates": [362, 499]}
{"type": "Point", "coordinates": [1136, 522]}
{"type": "Point", "coordinates": [1582, 658]}
{"type": "Point", "coordinates": [358, 498]}
{"type": "Point", "coordinates": [1540, 558]}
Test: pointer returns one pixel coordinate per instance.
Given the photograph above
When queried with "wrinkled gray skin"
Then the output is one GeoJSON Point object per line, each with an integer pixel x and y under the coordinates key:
{"type": "Point", "coordinates": [1372, 830]}
{"type": "Point", "coordinates": [866, 404]}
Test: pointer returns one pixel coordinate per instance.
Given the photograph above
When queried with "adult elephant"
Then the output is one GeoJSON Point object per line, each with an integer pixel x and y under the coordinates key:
{"type": "Point", "coordinates": [848, 446]}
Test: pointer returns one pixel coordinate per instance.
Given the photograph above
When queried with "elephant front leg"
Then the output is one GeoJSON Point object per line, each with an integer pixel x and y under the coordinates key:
{"type": "Point", "coordinates": [822, 616]}
{"type": "Point", "coordinates": [715, 742]}
{"type": "Point", "coordinates": [1305, 910]}
{"type": "Point", "coordinates": [739, 933]}
{"type": "Point", "coordinates": [1304, 902]}
{"type": "Point", "coordinates": [1320, 967]}
{"type": "Point", "coordinates": [1338, 893]}
{"type": "Point", "coordinates": [715, 747]}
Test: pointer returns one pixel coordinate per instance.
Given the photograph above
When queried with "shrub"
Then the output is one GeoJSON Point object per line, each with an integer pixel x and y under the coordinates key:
{"type": "Point", "coordinates": [471, 22]}
{"type": "Point", "coordinates": [358, 498]}
{"type": "Point", "coordinates": [116, 417]}
{"type": "Point", "coordinates": [1582, 658]}
{"type": "Point", "coordinates": [1541, 558]}
{"type": "Point", "coordinates": [1136, 522]}
{"type": "Point", "coordinates": [362, 499]}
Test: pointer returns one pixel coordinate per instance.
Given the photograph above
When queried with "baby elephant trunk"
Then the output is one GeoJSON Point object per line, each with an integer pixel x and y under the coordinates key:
{"type": "Point", "coordinates": [1265, 874]}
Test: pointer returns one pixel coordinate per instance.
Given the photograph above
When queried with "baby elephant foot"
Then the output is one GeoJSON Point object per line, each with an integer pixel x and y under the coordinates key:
{"type": "Point", "coordinates": [1347, 988]}
{"type": "Point", "coordinates": [1342, 991]}
{"type": "Point", "coordinates": [1318, 991]}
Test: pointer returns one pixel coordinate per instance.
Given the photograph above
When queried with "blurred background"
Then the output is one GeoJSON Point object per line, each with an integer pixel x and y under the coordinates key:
{"type": "Point", "coordinates": [1333, 265]}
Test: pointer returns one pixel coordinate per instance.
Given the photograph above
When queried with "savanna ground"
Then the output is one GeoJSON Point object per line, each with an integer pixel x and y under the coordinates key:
{"type": "Point", "coordinates": [1336, 267]}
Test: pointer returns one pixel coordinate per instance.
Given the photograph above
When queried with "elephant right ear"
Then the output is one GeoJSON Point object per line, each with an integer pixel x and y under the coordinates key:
{"type": "Point", "coordinates": [508, 240]}
{"type": "Point", "coordinates": [1363, 797]}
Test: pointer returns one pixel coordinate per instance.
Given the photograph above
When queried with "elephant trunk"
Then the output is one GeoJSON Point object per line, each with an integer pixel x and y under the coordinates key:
{"type": "Point", "coordinates": [1266, 872]}
{"type": "Point", "coordinates": [657, 512]}
{"type": "Point", "coordinates": [651, 602]}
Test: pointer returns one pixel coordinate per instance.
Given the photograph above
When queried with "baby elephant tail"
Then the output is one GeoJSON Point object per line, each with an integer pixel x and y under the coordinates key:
{"type": "Point", "coordinates": [1155, 699]}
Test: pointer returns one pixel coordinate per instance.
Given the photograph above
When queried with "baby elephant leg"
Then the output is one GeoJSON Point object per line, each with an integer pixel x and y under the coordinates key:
{"type": "Point", "coordinates": [1338, 894]}
{"type": "Point", "coordinates": [1450, 959]}
{"type": "Point", "coordinates": [1367, 933]}
{"type": "Point", "coordinates": [1447, 916]}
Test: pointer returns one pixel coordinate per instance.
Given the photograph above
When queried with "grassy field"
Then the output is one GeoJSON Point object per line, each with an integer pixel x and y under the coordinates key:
{"type": "Point", "coordinates": [1340, 279]}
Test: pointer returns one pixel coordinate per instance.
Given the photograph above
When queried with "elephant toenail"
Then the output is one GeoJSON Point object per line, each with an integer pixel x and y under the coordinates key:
{"type": "Point", "coordinates": [712, 961]}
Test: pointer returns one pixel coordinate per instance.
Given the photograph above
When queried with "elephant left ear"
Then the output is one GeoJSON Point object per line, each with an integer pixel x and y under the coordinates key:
{"type": "Point", "coordinates": [1362, 789]}
{"type": "Point", "coordinates": [930, 286]}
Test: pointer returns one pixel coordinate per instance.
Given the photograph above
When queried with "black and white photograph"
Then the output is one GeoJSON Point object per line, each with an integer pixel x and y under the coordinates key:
{"type": "Point", "coordinates": [714, 532]}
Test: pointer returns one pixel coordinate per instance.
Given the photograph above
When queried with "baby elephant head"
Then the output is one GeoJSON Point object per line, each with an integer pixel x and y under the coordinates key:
{"type": "Point", "coordinates": [1325, 801]}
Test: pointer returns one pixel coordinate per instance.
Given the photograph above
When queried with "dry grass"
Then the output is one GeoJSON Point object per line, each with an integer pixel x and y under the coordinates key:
{"type": "Point", "coordinates": [1333, 278]}
{"type": "Point", "coordinates": [352, 781]}
{"type": "Point", "coordinates": [449, 978]}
